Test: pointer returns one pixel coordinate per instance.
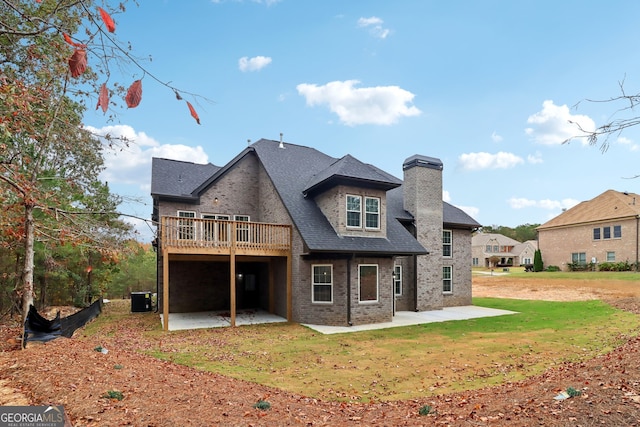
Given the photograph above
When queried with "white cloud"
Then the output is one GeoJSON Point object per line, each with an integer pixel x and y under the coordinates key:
{"type": "Point", "coordinates": [380, 105]}
{"type": "Point", "coordinates": [628, 143]}
{"type": "Point", "coordinates": [495, 137]}
{"type": "Point", "coordinates": [521, 203]}
{"type": "Point", "coordinates": [374, 24]}
{"type": "Point", "coordinates": [479, 161]}
{"type": "Point", "coordinates": [555, 124]}
{"type": "Point", "coordinates": [536, 158]}
{"type": "Point", "coordinates": [131, 164]}
{"type": "Point", "coordinates": [472, 211]}
{"type": "Point", "coordinates": [253, 64]}
{"type": "Point", "coordinates": [446, 196]}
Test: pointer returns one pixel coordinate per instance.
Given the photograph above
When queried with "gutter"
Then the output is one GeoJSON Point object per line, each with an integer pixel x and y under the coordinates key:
{"type": "Point", "coordinates": [349, 289]}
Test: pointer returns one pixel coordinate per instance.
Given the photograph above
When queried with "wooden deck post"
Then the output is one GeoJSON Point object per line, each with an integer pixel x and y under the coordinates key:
{"type": "Point", "coordinates": [290, 279]}
{"type": "Point", "coordinates": [272, 282]}
{"type": "Point", "coordinates": [165, 288]}
{"type": "Point", "coordinates": [232, 273]}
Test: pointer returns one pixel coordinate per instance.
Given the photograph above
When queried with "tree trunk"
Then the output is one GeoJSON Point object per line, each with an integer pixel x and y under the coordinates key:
{"type": "Point", "coordinates": [27, 271]}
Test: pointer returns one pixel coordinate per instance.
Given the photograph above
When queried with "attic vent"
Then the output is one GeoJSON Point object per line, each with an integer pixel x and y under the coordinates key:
{"type": "Point", "coordinates": [281, 142]}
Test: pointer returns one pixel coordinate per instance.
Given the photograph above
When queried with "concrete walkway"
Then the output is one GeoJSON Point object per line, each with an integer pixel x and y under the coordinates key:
{"type": "Point", "coordinates": [407, 318]}
{"type": "Point", "coordinates": [220, 319]}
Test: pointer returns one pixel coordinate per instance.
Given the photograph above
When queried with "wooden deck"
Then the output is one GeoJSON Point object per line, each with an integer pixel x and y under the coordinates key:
{"type": "Point", "coordinates": [181, 236]}
{"type": "Point", "coordinates": [218, 237]}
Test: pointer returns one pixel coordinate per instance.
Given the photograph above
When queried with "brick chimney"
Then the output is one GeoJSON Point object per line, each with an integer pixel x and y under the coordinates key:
{"type": "Point", "coordinates": [422, 194]}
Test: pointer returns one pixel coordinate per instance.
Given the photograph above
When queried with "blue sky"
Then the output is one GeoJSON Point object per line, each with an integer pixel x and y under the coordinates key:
{"type": "Point", "coordinates": [488, 87]}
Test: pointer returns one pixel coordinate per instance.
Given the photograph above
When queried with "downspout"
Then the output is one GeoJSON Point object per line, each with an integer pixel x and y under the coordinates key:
{"type": "Point", "coordinates": [415, 283]}
{"type": "Point", "coordinates": [349, 289]}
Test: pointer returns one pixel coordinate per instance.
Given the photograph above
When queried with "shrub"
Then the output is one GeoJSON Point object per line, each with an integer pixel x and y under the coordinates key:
{"type": "Point", "coordinates": [425, 410]}
{"type": "Point", "coordinates": [572, 392]}
{"type": "Point", "coordinates": [553, 268]}
{"type": "Point", "coordinates": [537, 261]}
{"type": "Point", "coordinates": [113, 394]}
{"type": "Point", "coordinates": [263, 405]}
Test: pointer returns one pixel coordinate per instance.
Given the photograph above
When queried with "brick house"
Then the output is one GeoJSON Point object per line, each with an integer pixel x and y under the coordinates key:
{"type": "Point", "coordinates": [603, 229]}
{"type": "Point", "coordinates": [507, 251]}
{"type": "Point", "coordinates": [314, 239]}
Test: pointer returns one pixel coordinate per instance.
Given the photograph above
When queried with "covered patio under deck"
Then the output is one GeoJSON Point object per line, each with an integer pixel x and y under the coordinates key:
{"type": "Point", "coordinates": [232, 242]}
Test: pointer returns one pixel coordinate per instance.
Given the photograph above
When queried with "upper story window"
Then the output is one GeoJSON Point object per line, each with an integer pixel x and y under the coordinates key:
{"type": "Point", "coordinates": [354, 211]}
{"type": "Point", "coordinates": [617, 231]}
{"type": "Point", "coordinates": [596, 234]}
{"type": "Point", "coordinates": [606, 232]}
{"type": "Point", "coordinates": [447, 243]}
{"type": "Point", "coordinates": [496, 249]}
{"type": "Point", "coordinates": [487, 248]}
{"type": "Point", "coordinates": [372, 212]}
{"type": "Point", "coordinates": [186, 226]}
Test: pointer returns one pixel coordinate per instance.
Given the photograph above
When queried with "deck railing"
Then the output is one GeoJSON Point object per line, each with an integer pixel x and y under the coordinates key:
{"type": "Point", "coordinates": [196, 233]}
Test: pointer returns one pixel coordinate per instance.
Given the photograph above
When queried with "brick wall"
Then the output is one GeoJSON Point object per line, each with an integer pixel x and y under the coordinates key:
{"type": "Point", "coordinates": [557, 245]}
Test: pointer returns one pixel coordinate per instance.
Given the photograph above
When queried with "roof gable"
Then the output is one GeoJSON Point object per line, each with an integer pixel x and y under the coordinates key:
{"type": "Point", "coordinates": [351, 171]}
{"type": "Point", "coordinates": [610, 205]}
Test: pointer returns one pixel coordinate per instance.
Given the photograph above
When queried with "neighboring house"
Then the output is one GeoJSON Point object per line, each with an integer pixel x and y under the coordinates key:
{"type": "Point", "coordinates": [315, 239]}
{"type": "Point", "coordinates": [603, 229]}
{"type": "Point", "coordinates": [492, 250]}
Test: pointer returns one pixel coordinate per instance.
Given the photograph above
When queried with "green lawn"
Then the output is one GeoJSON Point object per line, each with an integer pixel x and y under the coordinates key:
{"type": "Point", "coordinates": [397, 363]}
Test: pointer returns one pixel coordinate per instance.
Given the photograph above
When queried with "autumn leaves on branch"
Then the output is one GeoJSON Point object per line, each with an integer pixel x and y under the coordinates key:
{"type": "Point", "coordinates": [78, 65]}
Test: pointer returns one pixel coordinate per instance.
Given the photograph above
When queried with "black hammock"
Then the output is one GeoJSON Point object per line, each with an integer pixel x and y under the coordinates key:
{"type": "Point", "coordinates": [38, 328]}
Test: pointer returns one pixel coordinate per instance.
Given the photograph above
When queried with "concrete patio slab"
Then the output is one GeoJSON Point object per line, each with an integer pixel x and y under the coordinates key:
{"type": "Point", "coordinates": [218, 319]}
{"type": "Point", "coordinates": [408, 318]}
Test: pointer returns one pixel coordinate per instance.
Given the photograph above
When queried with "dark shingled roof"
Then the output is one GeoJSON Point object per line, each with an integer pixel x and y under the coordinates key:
{"type": "Point", "coordinates": [177, 179]}
{"type": "Point", "coordinates": [297, 172]}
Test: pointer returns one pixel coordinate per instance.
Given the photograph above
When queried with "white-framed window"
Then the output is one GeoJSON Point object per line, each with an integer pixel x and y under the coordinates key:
{"type": "Point", "coordinates": [487, 249]}
{"type": "Point", "coordinates": [322, 283]}
{"type": "Point", "coordinates": [611, 256]}
{"type": "Point", "coordinates": [186, 226]}
{"type": "Point", "coordinates": [368, 282]}
{"type": "Point", "coordinates": [606, 232]}
{"type": "Point", "coordinates": [447, 279]}
{"type": "Point", "coordinates": [579, 258]}
{"type": "Point", "coordinates": [496, 249]}
{"type": "Point", "coordinates": [475, 262]}
{"type": "Point", "coordinates": [354, 211]}
{"type": "Point", "coordinates": [242, 230]}
{"type": "Point", "coordinates": [596, 233]}
{"type": "Point", "coordinates": [397, 280]}
{"type": "Point", "coordinates": [527, 261]}
{"type": "Point", "coordinates": [215, 231]}
{"type": "Point", "coordinates": [617, 231]}
{"type": "Point", "coordinates": [372, 212]}
{"type": "Point", "coordinates": [447, 243]}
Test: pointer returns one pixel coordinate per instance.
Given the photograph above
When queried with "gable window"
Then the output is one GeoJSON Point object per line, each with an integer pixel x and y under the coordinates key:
{"type": "Point", "coordinates": [606, 232]}
{"type": "Point", "coordinates": [368, 282]}
{"type": "Point", "coordinates": [186, 226]}
{"type": "Point", "coordinates": [495, 249]}
{"type": "Point", "coordinates": [397, 280]}
{"type": "Point", "coordinates": [446, 243]}
{"type": "Point", "coordinates": [579, 258]}
{"type": "Point", "coordinates": [611, 256]}
{"type": "Point", "coordinates": [596, 234]}
{"type": "Point", "coordinates": [617, 231]}
{"type": "Point", "coordinates": [322, 283]}
{"type": "Point", "coordinates": [372, 212]}
{"type": "Point", "coordinates": [354, 211]}
{"type": "Point", "coordinates": [447, 282]}
{"type": "Point", "coordinates": [242, 230]}
{"type": "Point", "coordinates": [488, 249]}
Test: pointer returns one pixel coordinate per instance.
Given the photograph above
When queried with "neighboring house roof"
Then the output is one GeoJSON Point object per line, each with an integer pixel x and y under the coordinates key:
{"type": "Point", "coordinates": [520, 247]}
{"type": "Point", "coordinates": [610, 205]}
{"type": "Point", "coordinates": [481, 239]}
{"type": "Point", "coordinates": [297, 171]}
{"type": "Point", "coordinates": [178, 179]}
